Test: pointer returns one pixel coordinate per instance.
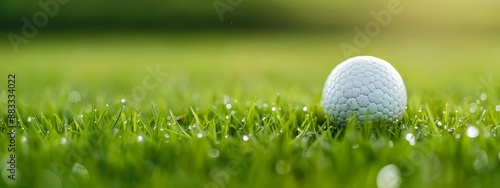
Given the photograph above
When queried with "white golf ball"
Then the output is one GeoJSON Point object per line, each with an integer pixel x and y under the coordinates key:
{"type": "Point", "coordinates": [366, 87]}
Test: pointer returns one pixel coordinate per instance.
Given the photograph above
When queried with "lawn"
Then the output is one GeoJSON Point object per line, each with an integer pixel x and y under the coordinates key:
{"type": "Point", "coordinates": [243, 110]}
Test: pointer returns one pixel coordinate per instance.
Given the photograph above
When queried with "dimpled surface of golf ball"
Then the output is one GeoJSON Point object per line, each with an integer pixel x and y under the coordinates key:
{"type": "Point", "coordinates": [366, 87]}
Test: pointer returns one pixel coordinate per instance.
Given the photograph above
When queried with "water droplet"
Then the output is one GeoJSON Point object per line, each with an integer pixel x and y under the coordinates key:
{"type": "Point", "coordinates": [497, 108]}
{"type": "Point", "coordinates": [213, 153]}
{"type": "Point", "coordinates": [472, 131]}
{"type": "Point", "coordinates": [123, 100]}
{"type": "Point", "coordinates": [283, 167]}
{"type": "Point", "coordinates": [439, 123]}
{"type": "Point", "coordinates": [483, 96]}
{"type": "Point", "coordinates": [304, 109]}
{"type": "Point", "coordinates": [139, 138]}
{"type": "Point", "coordinates": [29, 119]}
{"type": "Point", "coordinates": [273, 108]}
{"type": "Point", "coordinates": [199, 135]}
{"type": "Point", "coordinates": [458, 135]}
{"type": "Point", "coordinates": [63, 140]}
{"type": "Point", "coordinates": [265, 105]}
{"type": "Point", "coordinates": [233, 112]}
{"type": "Point", "coordinates": [389, 177]}
{"type": "Point", "coordinates": [355, 146]}
{"type": "Point", "coordinates": [481, 161]}
{"type": "Point", "coordinates": [391, 143]}
{"type": "Point", "coordinates": [472, 107]}
{"type": "Point", "coordinates": [23, 139]}
{"type": "Point", "coordinates": [245, 138]}
{"type": "Point", "coordinates": [228, 106]}
{"type": "Point", "coordinates": [410, 138]}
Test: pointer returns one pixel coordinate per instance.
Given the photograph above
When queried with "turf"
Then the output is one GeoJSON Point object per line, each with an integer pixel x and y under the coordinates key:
{"type": "Point", "coordinates": [243, 110]}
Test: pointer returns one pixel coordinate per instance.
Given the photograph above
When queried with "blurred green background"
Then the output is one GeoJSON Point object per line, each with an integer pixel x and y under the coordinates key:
{"type": "Point", "coordinates": [279, 45]}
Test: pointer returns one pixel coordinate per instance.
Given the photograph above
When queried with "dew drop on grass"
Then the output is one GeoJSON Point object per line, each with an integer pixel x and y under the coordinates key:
{"type": "Point", "coordinates": [497, 108]}
{"type": "Point", "coordinates": [355, 146]}
{"type": "Point", "coordinates": [29, 119]}
{"type": "Point", "coordinates": [23, 139]}
{"type": "Point", "coordinates": [472, 131]}
{"type": "Point", "coordinates": [483, 96]}
{"type": "Point", "coordinates": [199, 135]}
{"type": "Point", "coordinates": [213, 153]}
{"type": "Point", "coordinates": [458, 135]}
{"type": "Point", "coordinates": [228, 106]}
{"type": "Point", "coordinates": [123, 100]}
{"type": "Point", "coordinates": [283, 167]}
{"type": "Point", "coordinates": [273, 108]}
{"type": "Point", "coordinates": [472, 107]}
{"type": "Point", "coordinates": [139, 138]}
{"type": "Point", "coordinates": [391, 143]}
{"type": "Point", "coordinates": [439, 123]}
{"type": "Point", "coordinates": [410, 138]}
{"type": "Point", "coordinates": [245, 138]}
{"type": "Point", "coordinates": [389, 177]}
{"type": "Point", "coordinates": [63, 140]}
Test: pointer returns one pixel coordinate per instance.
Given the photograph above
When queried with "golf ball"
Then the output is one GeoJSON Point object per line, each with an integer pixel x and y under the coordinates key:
{"type": "Point", "coordinates": [364, 87]}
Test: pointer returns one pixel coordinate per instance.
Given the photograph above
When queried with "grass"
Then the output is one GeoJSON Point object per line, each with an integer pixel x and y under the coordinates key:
{"type": "Point", "coordinates": [242, 110]}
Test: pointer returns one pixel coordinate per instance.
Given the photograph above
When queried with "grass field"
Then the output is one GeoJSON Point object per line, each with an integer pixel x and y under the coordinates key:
{"type": "Point", "coordinates": [243, 110]}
